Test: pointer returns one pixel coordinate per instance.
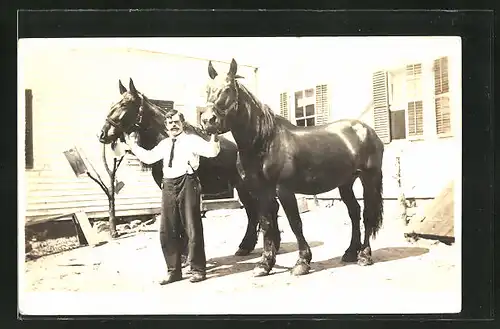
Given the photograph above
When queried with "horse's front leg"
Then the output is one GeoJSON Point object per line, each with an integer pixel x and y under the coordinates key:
{"type": "Point", "coordinates": [249, 241]}
{"type": "Point", "coordinates": [268, 219]}
{"type": "Point", "coordinates": [289, 203]}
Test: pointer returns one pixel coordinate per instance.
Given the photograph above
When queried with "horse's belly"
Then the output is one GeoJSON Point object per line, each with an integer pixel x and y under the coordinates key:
{"type": "Point", "coordinates": [316, 182]}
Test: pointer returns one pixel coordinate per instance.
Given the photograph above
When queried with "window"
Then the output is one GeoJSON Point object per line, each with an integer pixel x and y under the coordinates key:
{"type": "Point", "coordinates": [310, 107]}
{"type": "Point", "coordinates": [399, 101]}
{"type": "Point", "coordinates": [441, 96]}
{"type": "Point", "coordinates": [305, 113]}
{"type": "Point", "coordinates": [28, 147]}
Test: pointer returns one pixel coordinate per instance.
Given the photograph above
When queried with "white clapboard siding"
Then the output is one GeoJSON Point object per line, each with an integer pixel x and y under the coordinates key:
{"type": "Point", "coordinates": [49, 194]}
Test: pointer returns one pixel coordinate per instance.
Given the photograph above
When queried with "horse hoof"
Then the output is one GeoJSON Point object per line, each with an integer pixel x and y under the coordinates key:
{"type": "Point", "coordinates": [300, 269]}
{"type": "Point", "coordinates": [349, 258]}
{"type": "Point", "coordinates": [260, 271]}
{"type": "Point", "coordinates": [364, 257]}
{"type": "Point", "coordinates": [365, 261]}
{"type": "Point", "coordinates": [242, 252]}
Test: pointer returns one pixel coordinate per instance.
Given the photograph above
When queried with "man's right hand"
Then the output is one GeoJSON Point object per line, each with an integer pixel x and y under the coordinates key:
{"type": "Point", "coordinates": [130, 139]}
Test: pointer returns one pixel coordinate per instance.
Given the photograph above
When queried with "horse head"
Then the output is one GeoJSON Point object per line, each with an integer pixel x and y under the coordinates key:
{"type": "Point", "coordinates": [124, 116]}
{"type": "Point", "coordinates": [222, 99]}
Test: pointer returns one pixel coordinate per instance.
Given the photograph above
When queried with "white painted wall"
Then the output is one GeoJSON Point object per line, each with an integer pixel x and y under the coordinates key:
{"type": "Point", "coordinates": [74, 88]}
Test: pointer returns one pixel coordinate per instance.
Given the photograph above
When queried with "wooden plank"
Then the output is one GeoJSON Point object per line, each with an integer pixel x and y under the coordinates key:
{"type": "Point", "coordinates": [31, 220]}
{"type": "Point", "coordinates": [90, 233]}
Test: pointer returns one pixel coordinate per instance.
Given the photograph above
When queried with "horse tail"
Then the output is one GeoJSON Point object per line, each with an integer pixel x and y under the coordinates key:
{"type": "Point", "coordinates": [377, 203]}
{"type": "Point", "coordinates": [374, 203]}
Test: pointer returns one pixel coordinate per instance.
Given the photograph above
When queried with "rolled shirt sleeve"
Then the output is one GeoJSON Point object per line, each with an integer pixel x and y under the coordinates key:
{"type": "Point", "coordinates": [203, 148]}
{"type": "Point", "coordinates": [150, 156]}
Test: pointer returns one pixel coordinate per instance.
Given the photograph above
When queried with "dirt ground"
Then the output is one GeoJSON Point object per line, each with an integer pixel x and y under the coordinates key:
{"type": "Point", "coordinates": [121, 277]}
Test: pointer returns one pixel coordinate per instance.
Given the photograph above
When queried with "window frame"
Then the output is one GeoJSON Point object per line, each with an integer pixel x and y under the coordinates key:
{"type": "Point", "coordinates": [304, 116]}
{"type": "Point", "coordinates": [401, 101]}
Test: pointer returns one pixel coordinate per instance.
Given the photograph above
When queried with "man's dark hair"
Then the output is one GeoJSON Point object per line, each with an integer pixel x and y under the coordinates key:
{"type": "Point", "coordinates": [172, 112]}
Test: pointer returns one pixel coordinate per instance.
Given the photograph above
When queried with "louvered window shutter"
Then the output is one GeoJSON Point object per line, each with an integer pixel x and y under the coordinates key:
{"type": "Point", "coordinates": [415, 119]}
{"type": "Point", "coordinates": [322, 105]}
{"type": "Point", "coordinates": [284, 109]}
{"type": "Point", "coordinates": [414, 96]}
{"type": "Point", "coordinates": [381, 116]}
{"type": "Point", "coordinates": [441, 97]}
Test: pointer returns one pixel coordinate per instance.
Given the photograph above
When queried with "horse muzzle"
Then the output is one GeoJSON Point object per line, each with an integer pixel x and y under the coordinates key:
{"type": "Point", "coordinates": [107, 136]}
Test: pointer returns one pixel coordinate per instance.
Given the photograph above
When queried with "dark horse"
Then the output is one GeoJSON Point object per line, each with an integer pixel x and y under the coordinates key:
{"type": "Point", "coordinates": [278, 158]}
{"type": "Point", "coordinates": [135, 112]}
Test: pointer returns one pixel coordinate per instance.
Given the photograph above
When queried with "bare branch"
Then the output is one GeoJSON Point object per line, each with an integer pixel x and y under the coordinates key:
{"type": "Point", "coordinates": [119, 161]}
{"type": "Point", "coordinates": [100, 183]}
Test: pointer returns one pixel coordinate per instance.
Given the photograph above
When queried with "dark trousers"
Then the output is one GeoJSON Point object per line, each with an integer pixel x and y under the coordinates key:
{"type": "Point", "coordinates": [181, 216]}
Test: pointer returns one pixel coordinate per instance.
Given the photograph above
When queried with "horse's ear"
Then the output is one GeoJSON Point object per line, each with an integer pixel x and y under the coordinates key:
{"type": "Point", "coordinates": [122, 87]}
{"type": "Point", "coordinates": [131, 87]}
{"type": "Point", "coordinates": [212, 73]}
{"type": "Point", "coordinates": [233, 68]}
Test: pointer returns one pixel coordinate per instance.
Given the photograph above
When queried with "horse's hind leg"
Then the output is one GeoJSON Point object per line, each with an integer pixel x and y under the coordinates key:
{"type": "Point", "coordinates": [372, 212]}
{"type": "Point", "coordinates": [249, 241]}
{"type": "Point", "coordinates": [289, 203]}
{"type": "Point", "coordinates": [354, 210]}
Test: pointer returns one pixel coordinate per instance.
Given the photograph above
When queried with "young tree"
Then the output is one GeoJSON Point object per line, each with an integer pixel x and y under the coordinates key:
{"type": "Point", "coordinates": [114, 187]}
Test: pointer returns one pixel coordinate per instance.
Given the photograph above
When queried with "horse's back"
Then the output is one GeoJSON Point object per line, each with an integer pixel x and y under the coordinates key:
{"type": "Point", "coordinates": [353, 128]}
{"type": "Point", "coordinates": [339, 142]}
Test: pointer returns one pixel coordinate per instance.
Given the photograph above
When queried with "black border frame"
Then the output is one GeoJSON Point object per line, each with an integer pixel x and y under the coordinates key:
{"type": "Point", "coordinates": [476, 30]}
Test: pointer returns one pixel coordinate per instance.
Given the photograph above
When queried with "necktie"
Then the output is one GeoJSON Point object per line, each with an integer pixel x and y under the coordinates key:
{"type": "Point", "coordinates": [171, 153]}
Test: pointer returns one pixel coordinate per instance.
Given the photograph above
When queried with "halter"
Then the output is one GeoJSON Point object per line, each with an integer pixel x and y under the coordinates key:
{"type": "Point", "coordinates": [220, 112]}
{"type": "Point", "coordinates": [135, 124]}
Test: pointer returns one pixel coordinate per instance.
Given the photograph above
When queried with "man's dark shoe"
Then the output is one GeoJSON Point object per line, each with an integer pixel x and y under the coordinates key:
{"type": "Point", "coordinates": [197, 277]}
{"type": "Point", "coordinates": [171, 277]}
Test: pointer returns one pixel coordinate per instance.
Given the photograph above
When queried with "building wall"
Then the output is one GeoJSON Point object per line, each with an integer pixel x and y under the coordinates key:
{"type": "Point", "coordinates": [73, 90]}
{"type": "Point", "coordinates": [427, 163]}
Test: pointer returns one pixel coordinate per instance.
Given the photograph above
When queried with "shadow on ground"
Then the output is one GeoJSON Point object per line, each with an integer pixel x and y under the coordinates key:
{"type": "Point", "coordinates": [379, 256]}
{"type": "Point", "coordinates": [227, 265]}
{"type": "Point", "coordinates": [231, 264]}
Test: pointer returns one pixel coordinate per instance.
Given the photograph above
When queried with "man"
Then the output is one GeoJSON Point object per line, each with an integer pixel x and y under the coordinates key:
{"type": "Point", "coordinates": [180, 194]}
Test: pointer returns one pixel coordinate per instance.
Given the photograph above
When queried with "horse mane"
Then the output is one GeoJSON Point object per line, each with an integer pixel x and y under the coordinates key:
{"type": "Point", "coordinates": [262, 119]}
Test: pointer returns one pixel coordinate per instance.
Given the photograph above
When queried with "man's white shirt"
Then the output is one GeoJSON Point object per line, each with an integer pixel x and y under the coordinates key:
{"type": "Point", "coordinates": [187, 151]}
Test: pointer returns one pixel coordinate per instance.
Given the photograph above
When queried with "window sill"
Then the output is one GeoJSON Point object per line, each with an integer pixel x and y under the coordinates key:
{"type": "Point", "coordinates": [415, 138]}
{"type": "Point", "coordinates": [445, 135]}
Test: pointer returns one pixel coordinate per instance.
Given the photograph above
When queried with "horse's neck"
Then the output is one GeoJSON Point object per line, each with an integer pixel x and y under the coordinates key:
{"type": "Point", "coordinates": [252, 125]}
{"type": "Point", "coordinates": [157, 117]}
{"type": "Point", "coordinates": [154, 129]}
{"type": "Point", "coordinates": [149, 138]}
